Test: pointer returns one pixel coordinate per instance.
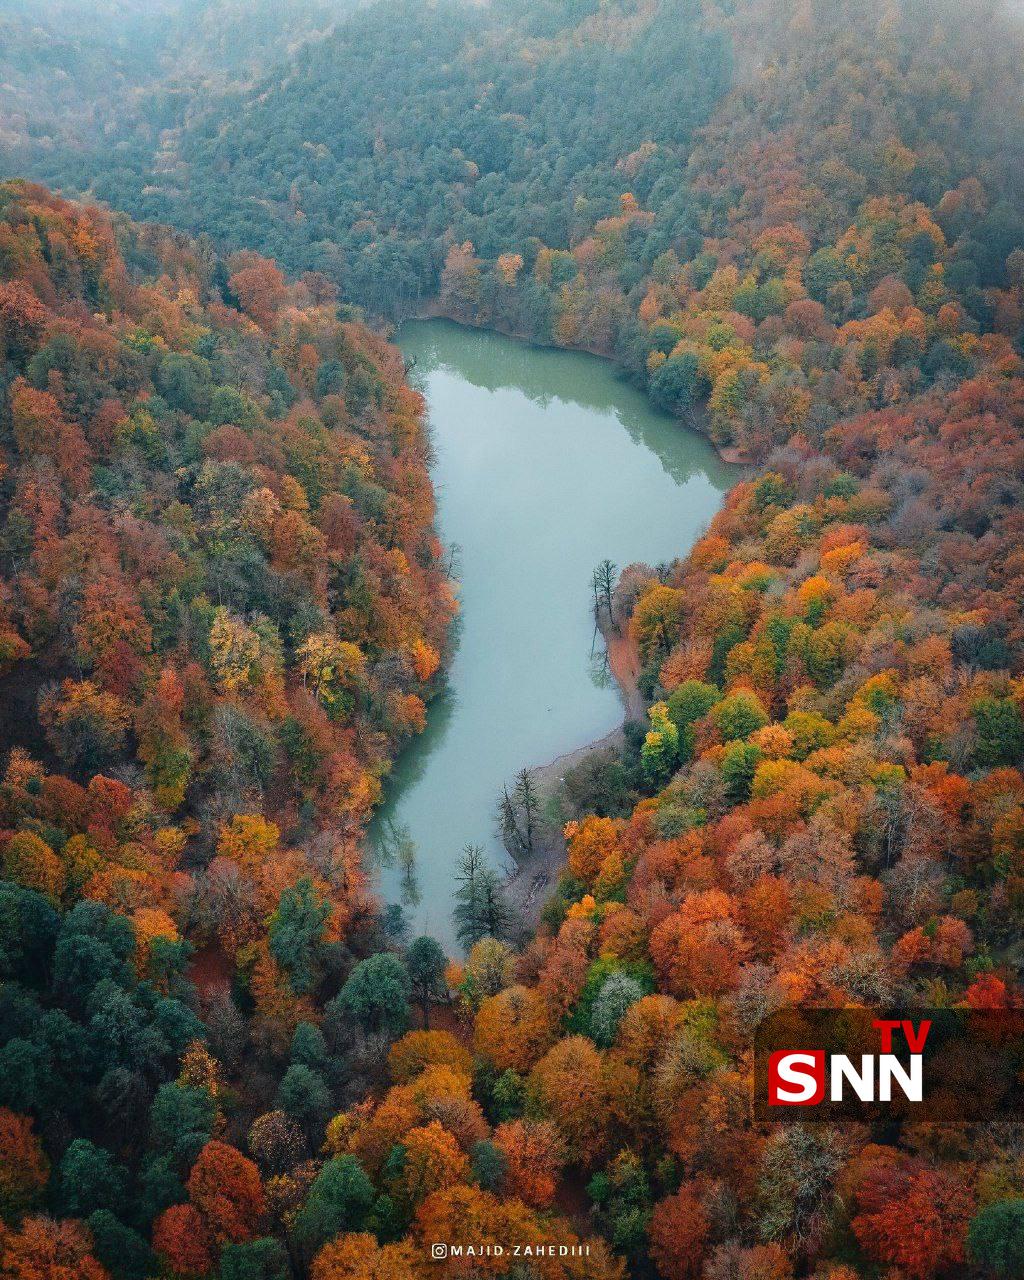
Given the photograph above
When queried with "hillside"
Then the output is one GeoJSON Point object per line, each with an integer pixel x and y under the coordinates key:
{"type": "Point", "coordinates": [83, 74]}
{"type": "Point", "coordinates": [727, 234]}
{"type": "Point", "coordinates": [221, 613]}
{"type": "Point", "coordinates": [412, 124]}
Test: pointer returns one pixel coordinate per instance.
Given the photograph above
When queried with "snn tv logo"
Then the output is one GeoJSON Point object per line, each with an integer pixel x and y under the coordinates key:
{"type": "Point", "coordinates": [800, 1077]}
{"type": "Point", "coordinates": [948, 1065]}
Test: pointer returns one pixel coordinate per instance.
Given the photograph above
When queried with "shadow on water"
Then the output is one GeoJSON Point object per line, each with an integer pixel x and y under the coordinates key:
{"type": "Point", "coordinates": [548, 375]}
{"type": "Point", "coordinates": [409, 769]}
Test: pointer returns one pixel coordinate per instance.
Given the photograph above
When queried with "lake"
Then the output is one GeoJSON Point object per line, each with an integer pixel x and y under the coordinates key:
{"type": "Point", "coordinates": [547, 462]}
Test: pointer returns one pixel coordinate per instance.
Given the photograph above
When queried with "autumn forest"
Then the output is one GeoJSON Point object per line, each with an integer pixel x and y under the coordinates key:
{"type": "Point", "coordinates": [227, 606]}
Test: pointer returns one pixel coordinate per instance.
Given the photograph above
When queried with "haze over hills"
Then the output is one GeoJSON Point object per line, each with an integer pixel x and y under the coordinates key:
{"type": "Point", "coordinates": [77, 73]}
{"type": "Point", "coordinates": [413, 127]}
{"type": "Point", "coordinates": [414, 123]}
{"type": "Point", "coordinates": [493, 161]}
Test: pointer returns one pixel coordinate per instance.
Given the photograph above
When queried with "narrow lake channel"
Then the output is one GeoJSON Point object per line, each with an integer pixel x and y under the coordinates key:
{"type": "Point", "coordinates": [547, 462]}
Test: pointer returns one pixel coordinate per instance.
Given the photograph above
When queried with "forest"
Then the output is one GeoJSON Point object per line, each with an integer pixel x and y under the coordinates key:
{"type": "Point", "coordinates": [225, 606]}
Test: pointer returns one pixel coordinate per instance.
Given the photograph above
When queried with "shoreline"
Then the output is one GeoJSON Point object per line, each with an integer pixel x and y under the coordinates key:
{"type": "Point", "coordinates": [533, 877]}
{"type": "Point", "coordinates": [695, 420]}
{"type": "Point", "coordinates": [530, 880]}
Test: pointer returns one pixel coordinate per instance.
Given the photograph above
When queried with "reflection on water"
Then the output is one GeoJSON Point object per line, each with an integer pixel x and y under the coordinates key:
{"type": "Point", "coordinates": [394, 848]}
{"type": "Point", "coordinates": [599, 667]}
{"type": "Point", "coordinates": [544, 376]}
{"type": "Point", "coordinates": [546, 463]}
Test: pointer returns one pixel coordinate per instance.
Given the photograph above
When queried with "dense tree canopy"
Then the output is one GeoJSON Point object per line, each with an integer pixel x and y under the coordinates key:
{"type": "Point", "coordinates": [223, 610]}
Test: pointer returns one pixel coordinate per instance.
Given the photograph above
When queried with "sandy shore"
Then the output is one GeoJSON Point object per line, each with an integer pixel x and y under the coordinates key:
{"type": "Point", "coordinates": [529, 886]}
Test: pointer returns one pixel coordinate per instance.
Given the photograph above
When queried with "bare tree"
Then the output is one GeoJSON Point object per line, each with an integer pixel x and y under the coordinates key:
{"type": "Point", "coordinates": [480, 907]}
{"type": "Point", "coordinates": [603, 582]}
{"type": "Point", "coordinates": [451, 568]}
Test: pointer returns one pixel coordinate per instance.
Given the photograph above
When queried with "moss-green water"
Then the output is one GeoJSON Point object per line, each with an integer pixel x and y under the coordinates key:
{"type": "Point", "coordinates": [546, 463]}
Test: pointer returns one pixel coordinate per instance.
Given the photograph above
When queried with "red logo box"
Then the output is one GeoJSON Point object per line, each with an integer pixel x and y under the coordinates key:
{"type": "Point", "coordinates": [796, 1078]}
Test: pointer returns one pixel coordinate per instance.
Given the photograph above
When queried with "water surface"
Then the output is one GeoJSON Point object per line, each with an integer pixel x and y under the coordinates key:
{"type": "Point", "coordinates": [547, 462]}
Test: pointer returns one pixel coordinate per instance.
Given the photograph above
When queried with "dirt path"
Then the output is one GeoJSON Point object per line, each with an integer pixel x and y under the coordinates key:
{"type": "Point", "coordinates": [624, 662]}
{"type": "Point", "coordinates": [529, 886]}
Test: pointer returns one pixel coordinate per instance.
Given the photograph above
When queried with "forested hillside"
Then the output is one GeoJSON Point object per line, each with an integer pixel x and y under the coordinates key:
{"type": "Point", "coordinates": [728, 233]}
{"type": "Point", "coordinates": [801, 225]}
{"type": "Point", "coordinates": [832, 767]}
{"type": "Point", "coordinates": [97, 73]}
{"type": "Point", "coordinates": [413, 125]}
{"type": "Point", "coordinates": [221, 612]}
